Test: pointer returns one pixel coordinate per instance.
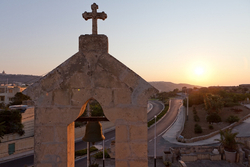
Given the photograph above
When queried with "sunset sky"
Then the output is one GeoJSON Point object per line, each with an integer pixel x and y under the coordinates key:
{"type": "Point", "coordinates": [200, 42]}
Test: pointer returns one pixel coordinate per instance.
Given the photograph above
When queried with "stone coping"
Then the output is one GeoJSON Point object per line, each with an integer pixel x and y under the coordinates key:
{"type": "Point", "coordinates": [193, 153]}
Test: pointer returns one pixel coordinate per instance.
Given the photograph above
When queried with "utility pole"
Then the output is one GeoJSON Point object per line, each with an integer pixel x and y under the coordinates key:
{"type": "Point", "coordinates": [155, 145]}
{"type": "Point", "coordinates": [103, 154]}
{"type": "Point", "coordinates": [187, 107]}
{"type": "Point", "coordinates": [88, 143]}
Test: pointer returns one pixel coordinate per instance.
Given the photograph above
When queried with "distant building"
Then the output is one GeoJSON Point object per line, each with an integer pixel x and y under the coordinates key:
{"type": "Point", "coordinates": [7, 92]}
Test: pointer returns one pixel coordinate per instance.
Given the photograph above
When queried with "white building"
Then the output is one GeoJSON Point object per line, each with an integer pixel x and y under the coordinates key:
{"type": "Point", "coordinates": [7, 92]}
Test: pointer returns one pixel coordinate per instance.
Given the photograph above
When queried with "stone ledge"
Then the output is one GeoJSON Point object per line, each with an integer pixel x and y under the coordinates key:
{"type": "Point", "coordinates": [190, 154]}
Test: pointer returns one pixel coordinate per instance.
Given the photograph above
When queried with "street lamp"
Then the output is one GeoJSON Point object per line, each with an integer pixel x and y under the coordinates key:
{"type": "Point", "coordinates": [103, 154]}
{"type": "Point", "coordinates": [187, 105]}
{"type": "Point", "coordinates": [155, 145]}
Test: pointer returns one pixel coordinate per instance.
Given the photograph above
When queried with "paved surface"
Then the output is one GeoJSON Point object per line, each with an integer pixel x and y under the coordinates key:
{"type": "Point", "coordinates": [167, 120]}
{"type": "Point", "coordinates": [243, 128]}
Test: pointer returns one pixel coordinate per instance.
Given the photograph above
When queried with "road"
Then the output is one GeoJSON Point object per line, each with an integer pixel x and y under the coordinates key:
{"type": "Point", "coordinates": [167, 120]}
{"type": "Point", "coordinates": [161, 144]}
{"type": "Point", "coordinates": [157, 108]}
{"type": "Point", "coordinates": [109, 136]}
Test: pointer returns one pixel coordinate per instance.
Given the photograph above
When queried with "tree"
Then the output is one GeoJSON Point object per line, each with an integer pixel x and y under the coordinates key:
{"type": "Point", "coordinates": [2, 106]}
{"type": "Point", "coordinates": [95, 108]}
{"type": "Point", "coordinates": [2, 129]}
{"type": "Point", "coordinates": [227, 139]}
{"type": "Point", "coordinates": [176, 90]}
{"type": "Point", "coordinates": [213, 103]}
{"type": "Point", "coordinates": [19, 98]}
{"type": "Point", "coordinates": [12, 122]}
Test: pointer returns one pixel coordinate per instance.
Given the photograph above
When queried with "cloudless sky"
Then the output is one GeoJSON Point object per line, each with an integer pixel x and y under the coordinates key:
{"type": "Point", "coordinates": [159, 40]}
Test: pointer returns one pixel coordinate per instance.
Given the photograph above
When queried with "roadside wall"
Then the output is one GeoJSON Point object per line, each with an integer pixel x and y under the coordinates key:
{"type": "Point", "coordinates": [21, 145]}
{"type": "Point", "coordinates": [245, 140]}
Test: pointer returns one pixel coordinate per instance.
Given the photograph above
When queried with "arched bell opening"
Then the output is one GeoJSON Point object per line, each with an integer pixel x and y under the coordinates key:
{"type": "Point", "coordinates": [90, 124]}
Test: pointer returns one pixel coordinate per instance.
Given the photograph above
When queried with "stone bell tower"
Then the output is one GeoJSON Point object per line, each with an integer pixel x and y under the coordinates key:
{"type": "Point", "coordinates": [61, 97]}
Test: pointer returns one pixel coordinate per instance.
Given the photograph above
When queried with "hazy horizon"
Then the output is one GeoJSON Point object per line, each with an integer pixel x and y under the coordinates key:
{"type": "Point", "coordinates": [204, 43]}
{"type": "Point", "coordinates": [151, 81]}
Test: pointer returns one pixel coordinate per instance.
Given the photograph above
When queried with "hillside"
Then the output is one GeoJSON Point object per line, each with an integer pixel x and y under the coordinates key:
{"type": "Point", "coordinates": [169, 86]}
{"type": "Point", "coordinates": [28, 79]}
{"type": "Point", "coordinates": [13, 78]}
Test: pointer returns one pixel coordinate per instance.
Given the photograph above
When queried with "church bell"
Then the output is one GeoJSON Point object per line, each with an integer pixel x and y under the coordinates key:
{"type": "Point", "coordinates": [93, 132]}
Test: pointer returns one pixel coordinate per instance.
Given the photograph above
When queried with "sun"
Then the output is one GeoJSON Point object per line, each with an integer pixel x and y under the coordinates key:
{"type": "Point", "coordinates": [199, 71]}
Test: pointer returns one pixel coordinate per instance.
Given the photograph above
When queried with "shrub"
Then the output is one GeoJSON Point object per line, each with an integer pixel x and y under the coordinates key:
{"type": "Point", "coordinates": [2, 129]}
{"type": "Point", "coordinates": [84, 151]}
{"type": "Point", "coordinates": [2, 105]}
{"type": "Point", "coordinates": [79, 124]}
{"type": "Point", "coordinates": [232, 119]}
{"type": "Point", "coordinates": [194, 110]}
{"type": "Point", "coordinates": [99, 155]}
{"type": "Point", "coordinates": [196, 118]}
{"type": "Point", "coordinates": [21, 131]}
{"type": "Point", "coordinates": [210, 127]}
{"type": "Point", "coordinates": [197, 128]}
{"type": "Point", "coordinates": [231, 104]}
{"type": "Point", "coordinates": [213, 118]}
{"type": "Point", "coordinates": [167, 163]}
{"type": "Point", "coordinates": [152, 121]}
{"type": "Point", "coordinates": [94, 165]}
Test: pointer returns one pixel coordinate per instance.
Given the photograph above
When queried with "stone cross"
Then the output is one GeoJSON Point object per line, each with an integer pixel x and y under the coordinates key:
{"type": "Point", "coordinates": [94, 16]}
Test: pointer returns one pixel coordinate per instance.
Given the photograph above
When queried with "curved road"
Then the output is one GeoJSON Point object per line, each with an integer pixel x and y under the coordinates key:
{"type": "Point", "coordinates": [157, 108]}
{"type": "Point", "coordinates": [167, 120]}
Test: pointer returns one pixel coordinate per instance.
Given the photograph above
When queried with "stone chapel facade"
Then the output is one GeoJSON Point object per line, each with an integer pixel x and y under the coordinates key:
{"type": "Point", "coordinates": [61, 97]}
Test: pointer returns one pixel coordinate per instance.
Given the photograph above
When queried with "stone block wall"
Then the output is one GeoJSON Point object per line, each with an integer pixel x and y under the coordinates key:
{"type": "Point", "coordinates": [21, 145]}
